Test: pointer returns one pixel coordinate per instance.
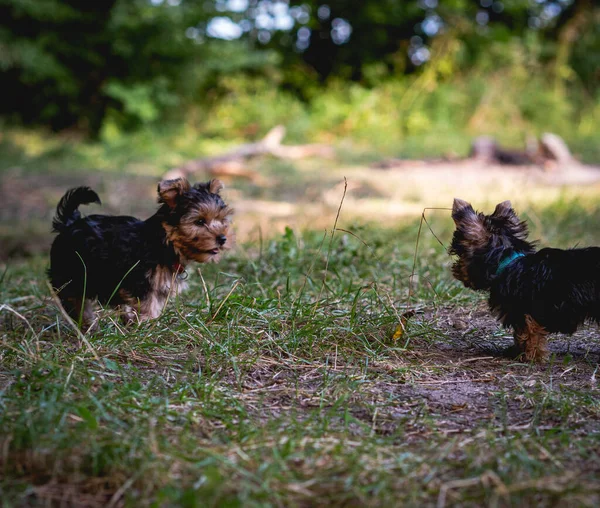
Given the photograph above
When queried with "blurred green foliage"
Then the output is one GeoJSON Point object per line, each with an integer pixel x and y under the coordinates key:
{"type": "Point", "coordinates": [379, 72]}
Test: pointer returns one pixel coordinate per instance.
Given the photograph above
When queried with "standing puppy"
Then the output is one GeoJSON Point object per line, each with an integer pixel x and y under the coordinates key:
{"type": "Point", "coordinates": [534, 293]}
{"type": "Point", "coordinates": [131, 263]}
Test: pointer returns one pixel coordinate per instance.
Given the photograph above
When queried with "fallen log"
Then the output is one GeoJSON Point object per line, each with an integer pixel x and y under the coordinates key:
{"type": "Point", "coordinates": [553, 147]}
{"type": "Point", "coordinates": [549, 152]}
{"type": "Point", "coordinates": [233, 163]}
{"type": "Point", "coordinates": [486, 149]}
{"type": "Point", "coordinates": [550, 149]}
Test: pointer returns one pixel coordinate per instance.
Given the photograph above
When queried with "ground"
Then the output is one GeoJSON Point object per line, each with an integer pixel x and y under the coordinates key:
{"type": "Point", "coordinates": [290, 374]}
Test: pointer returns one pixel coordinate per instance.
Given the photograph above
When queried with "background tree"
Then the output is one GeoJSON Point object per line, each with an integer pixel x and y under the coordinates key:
{"type": "Point", "coordinates": [80, 64]}
{"type": "Point", "coordinates": [69, 63]}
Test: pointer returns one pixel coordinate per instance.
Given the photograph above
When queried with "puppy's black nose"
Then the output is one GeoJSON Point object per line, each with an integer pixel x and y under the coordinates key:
{"type": "Point", "coordinates": [221, 239]}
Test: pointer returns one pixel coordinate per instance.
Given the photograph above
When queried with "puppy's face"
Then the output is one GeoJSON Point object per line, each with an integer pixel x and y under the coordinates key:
{"type": "Point", "coordinates": [199, 223]}
{"type": "Point", "coordinates": [479, 238]}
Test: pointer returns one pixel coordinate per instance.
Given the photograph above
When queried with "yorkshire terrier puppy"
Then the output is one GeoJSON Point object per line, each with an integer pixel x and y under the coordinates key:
{"type": "Point", "coordinates": [533, 292]}
{"type": "Point", "coordinates": [130, 263]}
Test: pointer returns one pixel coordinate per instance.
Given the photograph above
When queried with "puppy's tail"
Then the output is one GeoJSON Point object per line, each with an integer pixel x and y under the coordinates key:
{"type": "Point", "coordinates": [67, 210]}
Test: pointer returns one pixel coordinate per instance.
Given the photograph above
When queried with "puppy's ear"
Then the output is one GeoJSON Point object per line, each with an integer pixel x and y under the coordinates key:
{"type": "Point", "coordinates": [170, 190]}
{"type": "Point", "coordinates": [458, 205]}
{"type": "Point", "coordinates": [505, 212]}
{"type": "Point", "coordinates": [468, 221]}
{"type": "Point", "coordinates": [214, 186]}
{"type": "Point", "coordinates": [504, 209]}
{"type": "Point", "coordinates": [463, 213]}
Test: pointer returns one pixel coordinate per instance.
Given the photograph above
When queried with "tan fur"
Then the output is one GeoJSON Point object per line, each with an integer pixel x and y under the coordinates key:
{"type": "Point", "coordinates": [215, 186]}
{"type": "Point", "coordinates": [474, 229]}
{"type": "Point", "coordinates": [475, 236]}
{"type": "Point", "coordinates": [532, 340]}
{"type": "Point", "coordinates": [165, 284]}
{"type": "Point", "coordinates": [193, 242]}
{"type": "Point", "coordinates": [460, 272]}
{"type": "Point", "coordinates": [168, 190]}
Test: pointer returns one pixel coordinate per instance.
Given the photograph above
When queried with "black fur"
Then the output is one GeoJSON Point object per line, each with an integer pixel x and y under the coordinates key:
{"type": "Point", "coordinates": [560, 289]}
{"type": "Point", "coordinates": [99, 250]}
{"type": "Point", "coordinates": [67, 210]}
{"type": "Point", "coordinates": [548, 291]}
{"type": "Point", "coordinates": [505, 237]}
{"type": "Point", "coordinates": [122, 260]}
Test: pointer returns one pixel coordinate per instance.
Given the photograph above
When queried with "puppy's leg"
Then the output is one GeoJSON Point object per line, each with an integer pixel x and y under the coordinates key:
{"type": "Point", "coordinates": [531, 340]}
{"type": "Point", "coordinates": [152, 306]}
{"type": "Point", "coordinates": [128, 314]}
{"type": "Point", "coordinates": [80, 309]}
{"type": "Point", "coordinates": [138, 310]}
{"type": "Point", "coordinates": [164, 284]}
{"type": "Point", "coordinates": [129, 307]}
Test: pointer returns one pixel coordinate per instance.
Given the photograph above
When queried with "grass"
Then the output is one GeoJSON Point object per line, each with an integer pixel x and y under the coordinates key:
{"type": "Point", "coordinates": [284, 376]}
{"type": "Point", "coordinates": [275, 380]}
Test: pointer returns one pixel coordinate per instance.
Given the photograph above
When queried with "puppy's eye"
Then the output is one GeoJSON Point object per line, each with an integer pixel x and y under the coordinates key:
{"type": "Point", "coordinates": [200, 222]}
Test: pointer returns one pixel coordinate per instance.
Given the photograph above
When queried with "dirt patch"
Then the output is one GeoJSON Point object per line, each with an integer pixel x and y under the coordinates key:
{"type": "Point", "coordinates": [475, 330]}
{"type": "Point", "coordinates": [444, 388]}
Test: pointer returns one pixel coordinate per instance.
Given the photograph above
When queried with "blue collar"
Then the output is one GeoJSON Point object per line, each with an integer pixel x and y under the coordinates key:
{"type": "Point", "coordinates": [508, 261]}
